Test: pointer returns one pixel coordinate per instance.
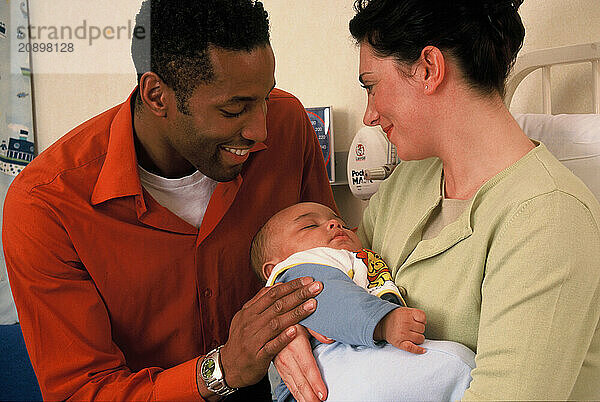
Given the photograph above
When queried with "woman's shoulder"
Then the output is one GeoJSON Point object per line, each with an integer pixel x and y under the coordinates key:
{"type": "Point", "coordinates": [538, 181]}
{"type": "Point", "coordinates": [540, 174]}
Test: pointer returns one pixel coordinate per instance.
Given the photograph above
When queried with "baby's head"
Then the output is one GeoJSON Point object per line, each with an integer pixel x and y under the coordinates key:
{"type": "Point", "coordinates": [297, 228]}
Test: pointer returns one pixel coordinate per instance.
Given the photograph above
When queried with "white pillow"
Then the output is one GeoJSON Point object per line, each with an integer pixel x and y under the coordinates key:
{"type": "Point", "coordinates": [573, 138]}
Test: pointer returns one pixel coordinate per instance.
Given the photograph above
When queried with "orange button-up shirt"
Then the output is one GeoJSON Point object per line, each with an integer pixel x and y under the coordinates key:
{"type": "Point", "coordinates": [117, 296]}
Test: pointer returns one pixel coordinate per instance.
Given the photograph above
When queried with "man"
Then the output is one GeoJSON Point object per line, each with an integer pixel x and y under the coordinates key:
{"type": "Point", "coordinates": [127, 241]}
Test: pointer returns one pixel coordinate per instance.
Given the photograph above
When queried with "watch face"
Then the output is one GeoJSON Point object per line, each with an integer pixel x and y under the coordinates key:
{"type": "Point", "coordinates": [208, 368]}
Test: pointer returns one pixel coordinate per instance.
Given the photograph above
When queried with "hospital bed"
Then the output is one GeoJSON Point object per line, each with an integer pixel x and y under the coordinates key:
{"type": "Point", "coordinates": [573, 138]}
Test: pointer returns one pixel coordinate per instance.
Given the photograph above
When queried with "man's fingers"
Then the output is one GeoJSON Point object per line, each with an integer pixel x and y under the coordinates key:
{"type": "Point", "coordinates": [290, 301]}
{"type": "Point", "coordinates": [277, 323]}
{"type": "Point", "coordinates": [276, 345]}
{"type": "Point", "coordinates": [290, 294]}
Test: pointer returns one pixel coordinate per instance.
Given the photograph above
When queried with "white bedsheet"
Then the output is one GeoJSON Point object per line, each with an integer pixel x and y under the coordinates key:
{"type": "Point", "coordinates": [573, 138]}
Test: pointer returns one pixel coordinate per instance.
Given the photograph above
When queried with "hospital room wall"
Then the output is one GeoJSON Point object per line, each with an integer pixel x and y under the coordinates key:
{"type": "Point", "coordinates": [316, 60]}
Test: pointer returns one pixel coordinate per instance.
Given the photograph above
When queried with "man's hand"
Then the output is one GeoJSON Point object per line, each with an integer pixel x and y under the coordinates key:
{"type": "Point", "coordinates": [263, 327]}
{"type": "Point", "coordinates": [403, 328]}
{"type": "Point", "coordinates": [299, 371]}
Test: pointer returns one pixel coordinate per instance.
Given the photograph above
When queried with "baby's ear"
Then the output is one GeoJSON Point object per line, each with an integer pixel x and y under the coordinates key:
{"type": "Point", "coordinates": [267, 268]}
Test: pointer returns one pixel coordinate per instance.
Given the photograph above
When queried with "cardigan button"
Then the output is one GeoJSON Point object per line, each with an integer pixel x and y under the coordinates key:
{"type": "Point", "coordinates": [207, 293]}
{"type": "Point", "coordinates": [403, 291]}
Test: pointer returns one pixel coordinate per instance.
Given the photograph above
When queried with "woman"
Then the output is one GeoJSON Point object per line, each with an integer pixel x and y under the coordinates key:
{"type": "Point", "coordinates": [489, 234]}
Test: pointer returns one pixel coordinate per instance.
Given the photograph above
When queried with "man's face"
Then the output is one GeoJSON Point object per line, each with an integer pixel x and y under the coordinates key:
{"type": "Point", "coordinates": [227, 116]}
{"type": "Point", "coordinates": [308, 225]}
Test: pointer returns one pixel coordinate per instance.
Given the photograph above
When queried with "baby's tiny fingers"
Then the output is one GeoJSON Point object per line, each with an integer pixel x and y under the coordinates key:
{"type": "Point", "coordinates": [412, 348]}
{"type": "Point", "coordinates": [417, 338]}
{"type": "Point", "coordinates": [417, 327]}
{"type": "Point", "coordinates": [419, 316]}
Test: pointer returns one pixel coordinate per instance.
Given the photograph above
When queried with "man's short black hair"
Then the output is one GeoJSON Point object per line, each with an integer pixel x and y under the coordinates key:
{"type": "Point", "coordinates": [180, 34]}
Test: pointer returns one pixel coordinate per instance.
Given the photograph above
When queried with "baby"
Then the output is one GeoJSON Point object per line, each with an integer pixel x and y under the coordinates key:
{"type": "Point", "coordinates": [359, 305]}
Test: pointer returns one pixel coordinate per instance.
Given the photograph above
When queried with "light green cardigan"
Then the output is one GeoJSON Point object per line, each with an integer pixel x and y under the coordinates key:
{"type": "Point", "coordinates": [515, 278]}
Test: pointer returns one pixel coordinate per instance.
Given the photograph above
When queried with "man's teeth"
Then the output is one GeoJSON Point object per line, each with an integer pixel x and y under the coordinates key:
{"type": "Point", "coordinates": [239, 152]}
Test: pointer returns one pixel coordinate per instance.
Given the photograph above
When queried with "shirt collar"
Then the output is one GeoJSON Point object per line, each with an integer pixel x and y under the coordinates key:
{"type": "Point", "coordinates": [119, 175]}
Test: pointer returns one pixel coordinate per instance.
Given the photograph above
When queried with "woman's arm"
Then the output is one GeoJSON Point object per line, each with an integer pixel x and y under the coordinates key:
{"type": "Point", "coordinates": [540, 302]}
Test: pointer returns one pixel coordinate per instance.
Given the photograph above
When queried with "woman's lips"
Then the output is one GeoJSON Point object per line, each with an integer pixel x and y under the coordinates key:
{"type": "Point", "coordinates": [388, 130]}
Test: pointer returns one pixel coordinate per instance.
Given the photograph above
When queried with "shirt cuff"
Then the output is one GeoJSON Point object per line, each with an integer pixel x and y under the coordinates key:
{"type": "Point", "coordinates": [178, 383]}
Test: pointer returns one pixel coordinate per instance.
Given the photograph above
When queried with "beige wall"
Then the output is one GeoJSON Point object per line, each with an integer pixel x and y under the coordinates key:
{"type": "Point", "coordinates": [316, 60]}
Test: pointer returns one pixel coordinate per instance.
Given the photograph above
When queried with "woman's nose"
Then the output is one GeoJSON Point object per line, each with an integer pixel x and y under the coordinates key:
{"type": "Point", "coordinates": [371, 117]}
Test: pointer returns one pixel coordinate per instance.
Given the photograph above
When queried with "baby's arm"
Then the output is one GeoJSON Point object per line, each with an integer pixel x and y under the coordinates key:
{"type": "Point", "coordinates": [348, 313]}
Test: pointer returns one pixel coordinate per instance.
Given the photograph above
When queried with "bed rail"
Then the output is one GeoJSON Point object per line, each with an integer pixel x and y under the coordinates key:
{"type": "Point", "coordinates": [545, 59]}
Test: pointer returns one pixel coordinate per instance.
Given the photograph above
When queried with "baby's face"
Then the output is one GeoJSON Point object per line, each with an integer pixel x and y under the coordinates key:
{"type": "Point", "coordinates": [308, 225]}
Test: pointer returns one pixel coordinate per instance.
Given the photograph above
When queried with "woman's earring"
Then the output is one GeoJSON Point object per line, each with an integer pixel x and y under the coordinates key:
{"type": "Point", "coordinates": [426, 86]}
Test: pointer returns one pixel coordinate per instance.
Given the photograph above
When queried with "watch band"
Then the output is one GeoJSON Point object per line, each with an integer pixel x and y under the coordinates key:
{"type": "Point", "coordinates": [212, 373]}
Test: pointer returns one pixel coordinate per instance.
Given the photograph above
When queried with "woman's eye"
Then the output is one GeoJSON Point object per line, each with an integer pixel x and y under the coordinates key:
{"type": "Point", "coordinates": [369, 88]}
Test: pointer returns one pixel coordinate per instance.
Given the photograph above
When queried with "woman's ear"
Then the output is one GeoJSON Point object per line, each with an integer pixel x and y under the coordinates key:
{"type": "Point", "coordinates": [432, 69]}
{"type": "Point", "coordinates": [155, 94]}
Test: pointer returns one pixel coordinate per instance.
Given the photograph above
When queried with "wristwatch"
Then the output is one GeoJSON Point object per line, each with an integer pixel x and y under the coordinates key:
{"type": "Point", "coordinates": [212, 373]}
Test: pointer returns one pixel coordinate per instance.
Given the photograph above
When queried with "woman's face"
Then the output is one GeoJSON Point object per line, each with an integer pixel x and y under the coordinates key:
{"type": "Point", "coordinates": [394, 103]}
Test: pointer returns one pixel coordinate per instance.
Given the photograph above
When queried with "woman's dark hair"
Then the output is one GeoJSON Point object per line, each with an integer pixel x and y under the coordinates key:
{"type": "Point", "coordinates": [172, 38]}
{"type": "Point", "coordinates": [482, 36]}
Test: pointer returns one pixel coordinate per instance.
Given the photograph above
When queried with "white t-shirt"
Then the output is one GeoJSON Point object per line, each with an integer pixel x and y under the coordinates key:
{"type": "Point", "coordinates": [186, 197]}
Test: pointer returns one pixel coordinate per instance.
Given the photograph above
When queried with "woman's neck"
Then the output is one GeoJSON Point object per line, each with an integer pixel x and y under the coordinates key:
{"type": "Point", "coordinates": [480, 140]}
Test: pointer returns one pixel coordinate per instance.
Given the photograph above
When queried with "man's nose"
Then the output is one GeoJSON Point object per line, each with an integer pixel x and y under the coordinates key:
{"type": "Point", "coordinates": [256, 130]}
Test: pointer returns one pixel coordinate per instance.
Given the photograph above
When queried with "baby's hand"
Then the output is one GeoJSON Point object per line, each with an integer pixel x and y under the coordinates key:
{"type": "Point", "coordinates": [403, 328]}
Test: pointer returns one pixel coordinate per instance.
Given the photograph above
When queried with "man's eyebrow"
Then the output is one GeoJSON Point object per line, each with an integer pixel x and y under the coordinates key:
{"type": "Point", "coordinates": [239, 99]}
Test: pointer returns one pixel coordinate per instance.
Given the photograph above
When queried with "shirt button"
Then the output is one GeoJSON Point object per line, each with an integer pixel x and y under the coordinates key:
{"type": "Point", "coordinates": [207, 293]}
{"type": "Point", "coordinates": [403, 291]}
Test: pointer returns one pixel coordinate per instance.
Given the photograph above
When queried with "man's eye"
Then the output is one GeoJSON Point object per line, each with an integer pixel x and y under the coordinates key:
{"type": "Point", "coordinates": [233, 114]}
{"type": "Point", "coordinates": [309, 226]}
{"type": "Point", "coordinates": [346, 227]}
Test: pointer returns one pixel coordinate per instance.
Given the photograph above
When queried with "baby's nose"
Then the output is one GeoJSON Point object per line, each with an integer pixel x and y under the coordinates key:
{"type": "Point", "coordinates": [334, 224]}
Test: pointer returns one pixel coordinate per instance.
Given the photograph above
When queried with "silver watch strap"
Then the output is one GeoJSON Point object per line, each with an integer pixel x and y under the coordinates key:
{"type": "Point", "coordinates": [218, 385]}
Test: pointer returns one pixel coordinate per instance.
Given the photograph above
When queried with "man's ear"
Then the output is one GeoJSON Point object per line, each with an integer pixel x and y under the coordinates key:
{"type": "Point", "coordinates": [267, 268]}
{"type": "Point", "coordinates": [155, 94]}
{"type": "Point", "coordinates": [432, 69]}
